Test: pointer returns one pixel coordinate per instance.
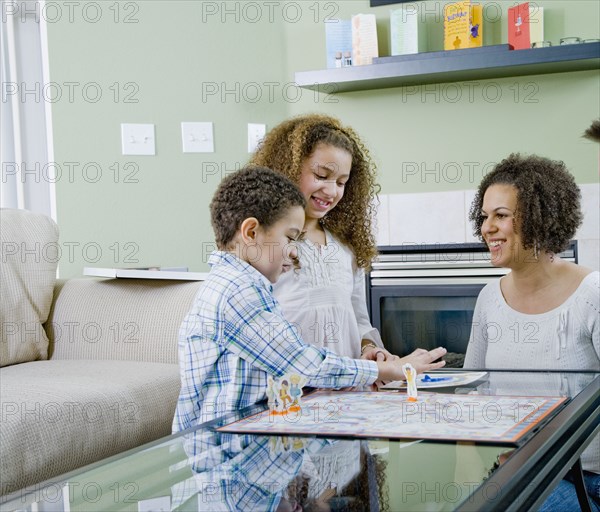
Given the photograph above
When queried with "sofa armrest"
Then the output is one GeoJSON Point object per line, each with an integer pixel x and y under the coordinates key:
{"type": "Point", "coordinates": [124, 319]}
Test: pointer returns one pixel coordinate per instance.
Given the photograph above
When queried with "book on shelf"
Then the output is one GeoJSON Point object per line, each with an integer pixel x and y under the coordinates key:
{"type": "Point", "coordinates": [338, 42]}
{"type": "Point", "coordinates": [463, 25]}
{"type": "Point", "coordinates": [407, 31]}
{"type": "Point", "coordinates": [536, 23]}
{"type": "Point", "coordinates": [364, 39]}
{"type": "Point", "coordinates": [525, 25]}
{"type": "Point", "coordinates": [174, 273]}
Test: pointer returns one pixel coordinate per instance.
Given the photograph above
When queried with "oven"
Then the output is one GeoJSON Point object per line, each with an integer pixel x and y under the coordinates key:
{"type": "Point", "coordinates": [423, 296]}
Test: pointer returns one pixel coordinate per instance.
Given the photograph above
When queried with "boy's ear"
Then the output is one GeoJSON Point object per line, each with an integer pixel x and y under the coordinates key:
{"type": "Point", "coordinates": [248, 229]}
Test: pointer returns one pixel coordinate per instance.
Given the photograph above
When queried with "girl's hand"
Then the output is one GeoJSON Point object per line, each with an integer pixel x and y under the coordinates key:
{"type": "Point", "coordinates": [377, 354]}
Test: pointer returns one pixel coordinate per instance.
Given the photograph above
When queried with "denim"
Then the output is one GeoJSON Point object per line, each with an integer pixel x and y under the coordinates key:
{"type": "Point", "coordinates": [564, 496]}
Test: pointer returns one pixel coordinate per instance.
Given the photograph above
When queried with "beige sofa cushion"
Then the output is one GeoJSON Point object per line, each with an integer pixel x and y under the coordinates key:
{"type": "Point", "coordinates": [73, 413]}
{"type": "Point", "coordinates": [30, 255]}
{"type": "Point", "coordinates": [124, 319]}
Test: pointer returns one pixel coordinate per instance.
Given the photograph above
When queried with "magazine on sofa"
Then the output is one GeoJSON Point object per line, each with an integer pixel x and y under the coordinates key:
{"type": "Point", "coordinates": [175, 273]}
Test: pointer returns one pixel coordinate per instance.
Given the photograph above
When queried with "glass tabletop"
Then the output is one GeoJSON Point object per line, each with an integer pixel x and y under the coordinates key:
{"type": "Point", "coordinates": [208, 469]}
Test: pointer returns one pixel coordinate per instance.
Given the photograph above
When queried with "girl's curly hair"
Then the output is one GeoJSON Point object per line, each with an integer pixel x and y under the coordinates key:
{"type": "Point", "coordinates": [285, 148]}
{"type": "Point", "coordinates": [371, 481]}
{"type": "Point", "coordinates": [548, 200]}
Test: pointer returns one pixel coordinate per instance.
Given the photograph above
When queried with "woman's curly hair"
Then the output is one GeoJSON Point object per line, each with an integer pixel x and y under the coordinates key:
{"type": "Point", "coordinates": [548, 201]}
{"type": "Point", "coordinates": [285, 148]}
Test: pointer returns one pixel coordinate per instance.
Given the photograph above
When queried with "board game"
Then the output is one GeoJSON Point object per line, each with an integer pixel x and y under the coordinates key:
{"type": "Point", "coordinates": [477, 418]}
{"type": "Point", "coordinates": [439, 379]}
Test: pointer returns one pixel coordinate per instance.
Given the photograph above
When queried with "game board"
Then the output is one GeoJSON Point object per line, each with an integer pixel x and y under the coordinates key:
{"type": "Point", "coordinates": [439, 379]}
{"type": "Point", "coordinates": [478, 418]}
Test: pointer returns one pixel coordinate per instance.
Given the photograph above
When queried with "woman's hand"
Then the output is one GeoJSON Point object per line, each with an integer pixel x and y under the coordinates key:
{"type": "Point", "coordinates": [422, 360]}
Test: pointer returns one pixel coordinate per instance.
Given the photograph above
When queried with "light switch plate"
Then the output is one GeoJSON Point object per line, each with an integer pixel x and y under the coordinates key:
{"type": "Point", "coordinates": [256, 133]}
{"type": "Point", "coordinates": [197, 137]}
{"type": "Point", "coordinates": [138, 139]}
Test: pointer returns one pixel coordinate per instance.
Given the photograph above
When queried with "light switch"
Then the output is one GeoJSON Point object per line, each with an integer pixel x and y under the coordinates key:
{"type": "Point", "coordinates": [138, 139]}
{"type": "Point", "coordinates": [256, 133]}
{"type": "Point", "coordinates": [197, 137]}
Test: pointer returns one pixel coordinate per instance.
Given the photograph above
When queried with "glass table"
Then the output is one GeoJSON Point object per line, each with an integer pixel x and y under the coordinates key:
{"type": "Point", "coordinates": [206, 469]}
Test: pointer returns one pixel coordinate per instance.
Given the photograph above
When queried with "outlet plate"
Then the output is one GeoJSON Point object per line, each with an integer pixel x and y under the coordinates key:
{"type": "Point", "coordinates": [197, 137]}
{"type": "Point", "coordinates": [256, 133]}
{"type": "Point", "coordinates": [138, 139]}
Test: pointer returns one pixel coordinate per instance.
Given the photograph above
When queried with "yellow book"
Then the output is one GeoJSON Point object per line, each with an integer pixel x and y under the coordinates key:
{"type": "Point", "coordinates": [476, 26]}
{"type": "Point", "coordinates": [463, 25]}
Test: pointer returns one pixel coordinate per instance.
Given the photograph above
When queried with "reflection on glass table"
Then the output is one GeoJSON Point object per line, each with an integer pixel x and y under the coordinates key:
{"type": "Point", "coordinates": [205, 469]}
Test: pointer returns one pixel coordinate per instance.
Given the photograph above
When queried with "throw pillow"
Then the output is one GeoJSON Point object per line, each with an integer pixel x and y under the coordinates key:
{"type": "Point", "coordinates": [30, 252]}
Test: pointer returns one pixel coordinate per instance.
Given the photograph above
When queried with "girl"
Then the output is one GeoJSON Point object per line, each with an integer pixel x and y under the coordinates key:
{"type": "Point", "coordinates": [326, 297]}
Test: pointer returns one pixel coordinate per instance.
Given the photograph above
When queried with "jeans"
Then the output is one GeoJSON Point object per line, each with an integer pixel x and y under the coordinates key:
{"type": "Point", "coordinates": [564, 496]}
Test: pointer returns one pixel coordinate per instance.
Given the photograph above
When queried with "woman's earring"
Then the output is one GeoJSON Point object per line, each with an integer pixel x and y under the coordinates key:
{"type": "Point", "coordinates": [535, 250]}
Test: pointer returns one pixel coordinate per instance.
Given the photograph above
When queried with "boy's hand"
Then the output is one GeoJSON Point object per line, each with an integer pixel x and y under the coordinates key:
{"type": "Point", "coordinates": [420, 359]}
{"type": "Point", "coordinates": [378, 354]}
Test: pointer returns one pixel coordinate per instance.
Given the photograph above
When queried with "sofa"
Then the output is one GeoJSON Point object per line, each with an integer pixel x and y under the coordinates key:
{"type": "Point", "coordinates": [88, 367]}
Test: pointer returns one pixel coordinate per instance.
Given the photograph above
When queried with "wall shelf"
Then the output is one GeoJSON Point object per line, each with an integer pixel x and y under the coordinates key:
{"type": "Point", "coordinates": [453, 66]}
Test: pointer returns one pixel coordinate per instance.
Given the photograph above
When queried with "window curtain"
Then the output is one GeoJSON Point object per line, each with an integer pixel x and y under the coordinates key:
{"type": "Point", "coordinates": [26, 153]}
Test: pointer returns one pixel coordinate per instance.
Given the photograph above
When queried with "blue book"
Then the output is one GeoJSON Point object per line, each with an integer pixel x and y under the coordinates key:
{"type": "Point", "coordinates": [338, 40]}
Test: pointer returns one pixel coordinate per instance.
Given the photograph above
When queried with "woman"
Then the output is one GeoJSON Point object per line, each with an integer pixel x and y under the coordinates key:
{"type": "Point", "coordinates": [545, 313]}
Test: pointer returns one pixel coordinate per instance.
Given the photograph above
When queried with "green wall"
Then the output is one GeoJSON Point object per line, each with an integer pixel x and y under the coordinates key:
{"type": "Point", "coordinates": [463, 128]}
{"type": "Point", "coordinates": [156, 213]}
{"type": "Point", "coordinates": [165, 62]}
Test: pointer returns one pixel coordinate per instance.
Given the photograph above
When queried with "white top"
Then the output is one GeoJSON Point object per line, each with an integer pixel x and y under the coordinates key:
{"type": "Point", "coordinates": [326, 298]}
{"type": "Point", "coordinates": [565, 338]}
{"type": "Point", "coordinates": [335, 465]}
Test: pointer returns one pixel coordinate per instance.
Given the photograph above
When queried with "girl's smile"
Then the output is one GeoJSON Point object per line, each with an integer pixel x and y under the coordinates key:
{"type": "Point", "coordinates": [322, 179]}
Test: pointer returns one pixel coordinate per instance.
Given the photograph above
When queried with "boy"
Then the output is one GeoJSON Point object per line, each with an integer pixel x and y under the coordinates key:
{"type": "Point", "coordinates": [235, 335]}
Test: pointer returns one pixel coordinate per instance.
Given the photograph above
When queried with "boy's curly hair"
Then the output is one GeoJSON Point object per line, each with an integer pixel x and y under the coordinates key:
{"type": "Point", "coordinates": [285, 148]}
{"type": "Point", "coordinates": [548, 200]}
{"type": "Point", "coordinates": [253, 191]}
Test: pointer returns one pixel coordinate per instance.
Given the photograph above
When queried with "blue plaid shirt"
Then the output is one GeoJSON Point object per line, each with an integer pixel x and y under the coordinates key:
{"type": "Point", "coordinates": [235, 335]}
{"type": "Point", "coordinates": [240, 473]}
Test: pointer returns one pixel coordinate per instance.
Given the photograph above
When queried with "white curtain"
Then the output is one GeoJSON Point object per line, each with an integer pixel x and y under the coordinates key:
{"type": "Point", "coordinates": [26, 151]}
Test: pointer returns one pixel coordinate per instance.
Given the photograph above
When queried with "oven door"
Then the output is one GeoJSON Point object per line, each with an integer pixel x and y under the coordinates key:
{"type": "Point", "coordinates": [424, 296]}
{"type": "Point", "coordinates": [425, 316]}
